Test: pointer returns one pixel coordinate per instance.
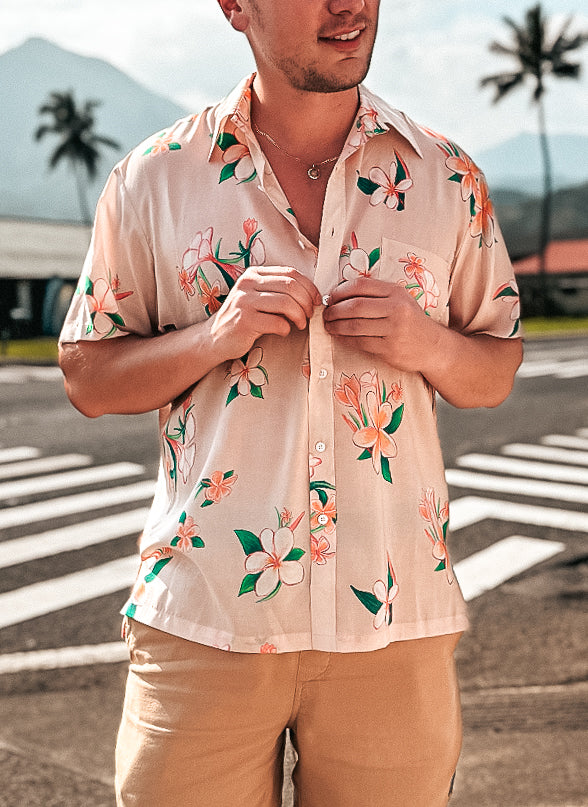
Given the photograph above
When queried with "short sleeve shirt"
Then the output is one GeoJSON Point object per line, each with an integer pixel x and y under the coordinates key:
{"type": "Point", "coordinates": [301, 501]}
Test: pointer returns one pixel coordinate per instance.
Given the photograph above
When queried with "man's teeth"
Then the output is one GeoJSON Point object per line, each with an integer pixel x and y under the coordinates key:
{"type": "Point", "coordinates": [345, 37]}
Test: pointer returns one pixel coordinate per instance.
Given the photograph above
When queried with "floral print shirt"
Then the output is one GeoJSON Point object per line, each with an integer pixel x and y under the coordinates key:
{"type": "Point", "coordinates": [301, 501]}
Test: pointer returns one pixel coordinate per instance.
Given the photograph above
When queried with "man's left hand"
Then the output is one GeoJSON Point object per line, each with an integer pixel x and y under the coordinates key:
{"type": "Point", "coordinates": [381, 318]}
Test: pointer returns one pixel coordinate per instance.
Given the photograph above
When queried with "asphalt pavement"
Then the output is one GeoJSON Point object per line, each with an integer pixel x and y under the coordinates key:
{"type": "Point", "coordinates": [519, 524]}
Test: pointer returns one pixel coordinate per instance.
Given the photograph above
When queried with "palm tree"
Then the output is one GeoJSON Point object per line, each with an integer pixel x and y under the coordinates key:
{"type": "Point", "coordinates": [79, 144]}
{"type": "Point", "coordinates": [536, 57]}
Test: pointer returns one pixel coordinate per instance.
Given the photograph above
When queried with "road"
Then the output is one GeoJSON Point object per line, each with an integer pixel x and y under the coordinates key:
{"type": "Point", "coordinates": [519, 520]}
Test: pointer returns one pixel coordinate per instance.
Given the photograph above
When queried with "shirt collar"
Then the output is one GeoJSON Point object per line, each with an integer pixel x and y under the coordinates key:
{"type": "Point", "coordinates": [374, 117]}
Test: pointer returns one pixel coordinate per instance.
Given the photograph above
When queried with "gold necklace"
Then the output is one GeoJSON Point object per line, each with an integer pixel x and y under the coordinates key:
{"type": "Point", "coordinates": [314, 171]}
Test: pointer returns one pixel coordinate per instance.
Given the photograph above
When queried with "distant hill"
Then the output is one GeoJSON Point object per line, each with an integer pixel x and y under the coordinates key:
{"type": "Point", "coordinates": [516, 163]}
{"type": "Point", "coordinates": [129, 113]}
{"type": "Point", "coordinates": [520, 215]}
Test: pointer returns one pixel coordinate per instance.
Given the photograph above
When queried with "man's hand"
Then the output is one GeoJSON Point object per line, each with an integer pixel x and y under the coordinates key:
{"type": "Point", "coordinates": [264, 300]}
{"type": "Point", "coordinates": [381, 318]}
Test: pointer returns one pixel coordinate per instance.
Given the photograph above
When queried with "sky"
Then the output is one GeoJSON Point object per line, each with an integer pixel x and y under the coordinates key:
{"type": "Point", "coordinates": [428, 60]}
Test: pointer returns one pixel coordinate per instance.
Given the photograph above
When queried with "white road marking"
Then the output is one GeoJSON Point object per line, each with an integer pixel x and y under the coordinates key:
{"type": "Point", "coordinates": [44, 465]}
{"type": "Point", "coordinates": [88, 476]}
{"type": "Point", "coordinates": [43, 598]}
{"type": "Point", "coordinates": [494, 565]}
{"type": "Point", "coordinates": [80, 503]}
{"type": "Point", "coordinates": [472, 509]}
{"type": "Point", "coordinates": [58, 658]}
{"type": "Point", "coordinates": [516, 486]}
{"type": "Point", "coordinates": [559, 369]}
{"type": "Point", "coordinates": [546, 453]}
{"type": "Point", "coordinates": [18, 453]}
{"type": "Point", "coordinates": [76, 536]}
{"type": "Point", "coordinates": [515, 467]}
{"type": "Point", "coordinates": [566, 441]}
{"type": "Point", "coordinates": [21, 373]}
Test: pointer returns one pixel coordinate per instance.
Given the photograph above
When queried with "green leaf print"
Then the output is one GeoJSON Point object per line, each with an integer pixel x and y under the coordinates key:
{"type": "Point", "coordinates": [225, 140]}
{"type": "Point", "coordinates": [396, 420]}
{"type": "Point", "coordinates": [369, 600]}
{"type": "Point", "coordinates": [249, 541]}
{"type": "Point", "coordinates": [156, 569]}
{"type": "Point", "coordinates": [385, 465]}
{"type": "Point", "coordinates": [374, 256]}
{"type": "Point", "coordinates": [248, 583]}
{"type": "Point", "coordinates": [256, 391]}
{"type": "Point", "coordinates": [366, 454]}
{"type": "Point", "coordinates": [294, 554]}
{"type": "Point", "coordinates": [233, 393]}
{"type": "Point", "coordinates": [227, 172]}
{"type": "Point", "coordinates": [366, 186]}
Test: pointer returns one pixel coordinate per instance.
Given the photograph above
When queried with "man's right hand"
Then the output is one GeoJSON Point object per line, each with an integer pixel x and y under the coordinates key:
{"type": "Point", "coordinates": [264, 300]}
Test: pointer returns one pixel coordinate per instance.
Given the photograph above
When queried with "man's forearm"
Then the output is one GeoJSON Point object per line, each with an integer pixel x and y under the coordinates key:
{"type": "Point", "coordinates": [472, 371]}
{"type": "Point", "coordinates": [132, 374]}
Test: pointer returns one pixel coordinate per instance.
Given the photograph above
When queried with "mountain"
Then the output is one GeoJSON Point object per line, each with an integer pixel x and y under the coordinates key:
{"type": "Point", "coordinates": [128, 113]}
{"type": "Point", "coordinates": [520, 216]}
{"type": "Point", "coordinates": [516, 163]}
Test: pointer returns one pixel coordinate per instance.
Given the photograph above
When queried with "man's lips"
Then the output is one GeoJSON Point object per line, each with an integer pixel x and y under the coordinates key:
{"type": "Point", "coordinates": [344, 39]}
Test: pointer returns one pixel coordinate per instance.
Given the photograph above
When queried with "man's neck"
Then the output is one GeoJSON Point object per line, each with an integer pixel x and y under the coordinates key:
{"type": "Point", "coordinates": [309, 125]}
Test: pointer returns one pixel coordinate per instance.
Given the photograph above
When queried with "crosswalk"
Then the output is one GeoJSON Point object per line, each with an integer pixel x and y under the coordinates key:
{"type": "Point", "coordinates": [38, 491]}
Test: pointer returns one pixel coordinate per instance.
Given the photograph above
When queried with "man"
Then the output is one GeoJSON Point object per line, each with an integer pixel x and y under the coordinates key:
{"type": "Point", "coordinates": [295, 272]}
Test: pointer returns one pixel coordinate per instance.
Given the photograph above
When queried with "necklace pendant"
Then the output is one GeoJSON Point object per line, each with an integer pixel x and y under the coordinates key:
{"type": "Point", "coordinates": [314, 172]}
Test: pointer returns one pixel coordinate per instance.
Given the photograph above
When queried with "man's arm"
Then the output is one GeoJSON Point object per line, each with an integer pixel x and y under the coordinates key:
{"type": "Point", "coordinates": [382, 318]}
{"type": "Point", "coordinates": [132, 374]}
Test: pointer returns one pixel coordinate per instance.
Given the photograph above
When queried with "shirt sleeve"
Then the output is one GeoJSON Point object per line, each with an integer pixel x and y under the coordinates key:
{"type": "Point", "coordinates": [483, 292]}
{"type": "Point", "coordinates": [116, 294]}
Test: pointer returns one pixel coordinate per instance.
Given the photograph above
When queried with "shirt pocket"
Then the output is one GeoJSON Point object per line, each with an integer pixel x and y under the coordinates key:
{"type": "Point", "coordinates": [423, 274]}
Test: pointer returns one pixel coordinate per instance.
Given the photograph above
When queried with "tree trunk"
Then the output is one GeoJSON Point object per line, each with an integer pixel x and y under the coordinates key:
{"type": "Point", "coordinates": [82, 194]}
{"type": "Point", "coordinates": [545, 225]}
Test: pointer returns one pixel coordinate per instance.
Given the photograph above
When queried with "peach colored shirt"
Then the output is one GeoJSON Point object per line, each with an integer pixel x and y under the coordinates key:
{"type": "Point", "coordinates": [301, 500]}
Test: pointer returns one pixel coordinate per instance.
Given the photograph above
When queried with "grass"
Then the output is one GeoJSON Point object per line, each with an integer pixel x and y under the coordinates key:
{"type": "Point", "coordinates": [44, 350]}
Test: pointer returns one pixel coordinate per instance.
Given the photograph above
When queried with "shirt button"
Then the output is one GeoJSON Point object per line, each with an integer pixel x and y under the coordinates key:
{"type": "Point", "coordinates": [323, 373]}
{"type": "Point", "coordinates": [320, 446]}
{"type": "Point", "coordinates": [326, 298]}
{"type": "Point", "coordinates": [323, 519]}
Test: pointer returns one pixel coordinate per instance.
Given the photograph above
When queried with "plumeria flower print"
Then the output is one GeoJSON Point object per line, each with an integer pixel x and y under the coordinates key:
{"type": "Point", "coordinates": [483, 221]}
{"type": "Point", "coordinates": [374, 437]}
{"type": "Point", "coordinates": [187, 534]}
{"type": "Point", "coordinates": [238, 155]}
{"type": "Point", "coordinates": [357, 262]}
{"type": "Point", "coordinates": [437, 515]}
{"type": "Point", "coordinates": [388, 190]}
{"type": "Point", "coordinates": [422, 284]}
{"type": "Point", "coordinates": [103, 306]}
{"type": "Point", "coordinates": [323, 516]}
{"type": "Point", "coordinates": [469, 172]}
{"type": "Point", "coordinates": [218, 486]}
{"type": "Point", "coordinates": [366, 126]}
{"type": "Point", "coordinates": [247, 374]}
{"type": "Point", "coordinates": [386, 596]}
{"type": "Point", "coordinates": [271, 562]}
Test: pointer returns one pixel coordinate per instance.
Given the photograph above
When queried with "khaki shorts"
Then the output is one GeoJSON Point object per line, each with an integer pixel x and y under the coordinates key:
{"type": "Point", "coordinates": [203, 727]}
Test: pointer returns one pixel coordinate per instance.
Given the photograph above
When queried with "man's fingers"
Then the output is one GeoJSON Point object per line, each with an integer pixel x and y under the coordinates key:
{"type": "Point", "coordinates": [358, 326]}
{"type": "Point", "coordinates": [290, 281]}
{"type": "Point", "coordinates": [285, 305]}
{"type": "Point", "coordinates": [362, 287]}
{"type": "Point", "coordinates": [356, 307]}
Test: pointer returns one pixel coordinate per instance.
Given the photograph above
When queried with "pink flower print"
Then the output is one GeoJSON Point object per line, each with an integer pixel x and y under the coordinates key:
{"type": "Point", "coordinates": [186, 448]}
{"type": "Point", "coordinates": [248, 372]}
{"type": "Point", "coordinates": [386, 595]}
{"type": "Point", "coordinates": [186, 281]}
{"type": "Point", "coordinates": [348, 392]}
{"type": "Point", "coordinates": [102, 303]}
{"type": "Point", "coordinates": [437, 516]}
{"type": "Point", "coordinates": [218, 486]}
{"type": "Point", "coordinates": [469, 172]}
{"type": "Point", "coordinates": [396, 392]}
{"type": "Point", "coordinates": [254, 246]}
{"type": "Point", "coordinates": [366, 126]}
{"type": "Point", "coordinates": [374, 437]}
{"type": "Point", "coordinates": [389, 189]}
{"type": "Point", "coordinates": [187, 531]}
{"type": "Point", "coordinates": [424, 288]}
{"type": "Point", "coordinates": [239, 157]}
{"type": "Point", "coordinates": [358, 265]}
{"type": "Point", "coordinates": [483, 222]}
{"type": "Point", "coordinates": [508, 292]}
{"type": "Point", "coordinates": [271, 562]}
{"type": "Point", "coordinates": [267, 647]}
{"type": "Point", "coordinates": [209, 295]}
{"type": "Point", "coordinates": [313, 462]}
{"type": "Point", "coordinates": [322, 516]}
{"type": "Point", "coordinates": [161, 145]}
{"type": "Point", "coordinates": [319, 550]}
